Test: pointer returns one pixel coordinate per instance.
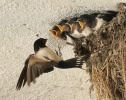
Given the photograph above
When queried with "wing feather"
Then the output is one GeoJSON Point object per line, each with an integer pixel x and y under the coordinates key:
{"type": "Point", "coordinates": [22, 78]}
{"type": "Point", "coordinates": [33, 68]}
{"type": "Point", "coordinates": [76, 62]}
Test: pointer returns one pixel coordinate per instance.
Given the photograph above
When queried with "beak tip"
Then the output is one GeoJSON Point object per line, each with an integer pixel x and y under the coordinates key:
{"type": "Point", "coordinates": [53, 32]}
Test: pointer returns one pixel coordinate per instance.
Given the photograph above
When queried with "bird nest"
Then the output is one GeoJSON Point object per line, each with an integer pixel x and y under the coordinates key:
{"type": "Point", "coordinates": [107, 62]}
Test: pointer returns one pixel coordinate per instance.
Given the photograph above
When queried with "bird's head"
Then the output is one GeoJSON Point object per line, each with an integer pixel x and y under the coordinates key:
{"type": "Point", "coordinates": [81, 24]}
{"type": "Point", "coordinates": [57, 30]}
{"type": "Point", "coordinates": [39, 43]}
{"type": "Point", "coordinates": [83, 20]}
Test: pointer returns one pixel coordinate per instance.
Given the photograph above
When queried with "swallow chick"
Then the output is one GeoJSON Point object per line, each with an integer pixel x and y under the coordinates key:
{"type": "Point", "coordinates": [57, 29]}
{"type": "Point", "coordinates": [92, 22]}
{"type": "Point", "coordinates": [73, 28]}
{"type": "Point", "coordinates": [44, 60]}
{"type": "Point", "coordinates": [68, 28]}
{"type": "Point", "coordinates": [103, 18]}
{"type": "Point", "coordinates": [63, 30]}
{"type": "Point", "coordinates": [86, 23]}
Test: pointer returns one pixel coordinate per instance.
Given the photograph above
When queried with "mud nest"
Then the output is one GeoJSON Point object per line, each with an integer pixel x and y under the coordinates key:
{"type": "Point", "coordinates": [107, 62]}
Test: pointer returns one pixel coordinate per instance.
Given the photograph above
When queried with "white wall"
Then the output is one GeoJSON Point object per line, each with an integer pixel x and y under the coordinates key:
{"type": "Point", "coordinates": [20, 21]}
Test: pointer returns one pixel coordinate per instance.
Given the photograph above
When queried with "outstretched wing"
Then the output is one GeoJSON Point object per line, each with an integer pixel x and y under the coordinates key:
{"type": "Point", "coordinates": [22, 77]}
{"type": "Point", "coordinates": [73, 63]}
{"type": "Point", "coordinates": [33, 68]}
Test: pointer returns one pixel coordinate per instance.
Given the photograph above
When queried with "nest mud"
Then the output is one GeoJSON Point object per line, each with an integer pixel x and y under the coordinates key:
{"type": "Point", "coordinates": [107, 61]}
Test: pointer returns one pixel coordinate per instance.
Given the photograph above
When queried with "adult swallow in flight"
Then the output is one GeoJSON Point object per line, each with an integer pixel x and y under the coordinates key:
{"type": "Point", "coordinates": [44, 60]}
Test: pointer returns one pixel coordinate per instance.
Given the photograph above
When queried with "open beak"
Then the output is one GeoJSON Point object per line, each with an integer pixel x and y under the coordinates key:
{"type": "Point", "coordinates": [54, 33]}
{"type": "Point", "coordinates": [60, 28]}
{"type": "Point", "coordinates": [81, 24]}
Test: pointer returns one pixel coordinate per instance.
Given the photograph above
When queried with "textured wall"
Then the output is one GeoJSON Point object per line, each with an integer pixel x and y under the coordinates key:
{"type": "Point", "coordinates": [20, 22]}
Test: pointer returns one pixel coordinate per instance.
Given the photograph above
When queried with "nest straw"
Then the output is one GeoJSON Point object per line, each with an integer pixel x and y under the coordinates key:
{"type": "Point", "coordinates": [107, 62]}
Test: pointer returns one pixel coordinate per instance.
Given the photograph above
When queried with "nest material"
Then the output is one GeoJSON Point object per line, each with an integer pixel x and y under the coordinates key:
{"type": "Point", "coordinates": [107, 61]}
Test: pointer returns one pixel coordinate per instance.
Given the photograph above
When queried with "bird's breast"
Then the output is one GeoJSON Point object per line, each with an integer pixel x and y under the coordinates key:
{"type": "Point", "coordinates": [41, 54]}
{"type": "Point", "coordinates": [44, 53]}
{"type": "Point", "coordinates": [76, 34]}
{"type": "Point", "coordinates": [100, 22]}
{"type": "Point", "coordinates": [87, 31]}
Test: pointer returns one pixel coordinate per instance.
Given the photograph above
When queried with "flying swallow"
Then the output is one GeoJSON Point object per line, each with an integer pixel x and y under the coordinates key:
{"type": "Point", "coordinates": [44, 60]}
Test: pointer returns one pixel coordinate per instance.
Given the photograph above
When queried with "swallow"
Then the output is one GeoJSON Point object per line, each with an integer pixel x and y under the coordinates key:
{"type": "Point", "coordinates": [63, 29]}
{"type": "Point", "coordinates": [90, 23]}
{"type": "Point", "coordinates": [57, 29]}
{"type": "Point", "coordinates": [43, 61]}
{"type": "Point", "coordinates": [87, 24]}
{"type": "Point", "coordinates": [73, 28]}
{"type": "Point", "coordinates": [68, 28]}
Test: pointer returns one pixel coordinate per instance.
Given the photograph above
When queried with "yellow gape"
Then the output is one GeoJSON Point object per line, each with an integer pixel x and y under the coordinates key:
{"type": "Point", "coordinates": [54, 33]}
{"type": "Point", "coordinates": [82, 25]}
{"type": "Point", "coordinates": [60, 28]}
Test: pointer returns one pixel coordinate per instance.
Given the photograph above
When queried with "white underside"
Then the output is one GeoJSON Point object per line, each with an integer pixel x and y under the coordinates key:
{"type": "Point", "coordinates": [87, 31]}
{"type": "Point", "coordinates": [100, 22]}
{"type": "Point", "coordinates": [47, 52]}
{"type": "Point", "coordinates": [76, 34]}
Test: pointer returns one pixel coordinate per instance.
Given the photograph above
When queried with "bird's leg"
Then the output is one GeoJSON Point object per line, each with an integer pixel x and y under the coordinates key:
{"type": "Point", "coordinates": [56, 52]}
{"type": "Point", "coordinates": [59, 51]}
{"type": "Point", "coordinates": [59, 47]}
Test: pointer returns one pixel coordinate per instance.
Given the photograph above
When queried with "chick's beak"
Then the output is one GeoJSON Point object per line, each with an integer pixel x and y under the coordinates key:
{"type": "Point", "coordinates": [60, 28]}
{"type": "Point", "coordinates": [82, 25]}
{"type": "Point", "coordinates": [54, 33]}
